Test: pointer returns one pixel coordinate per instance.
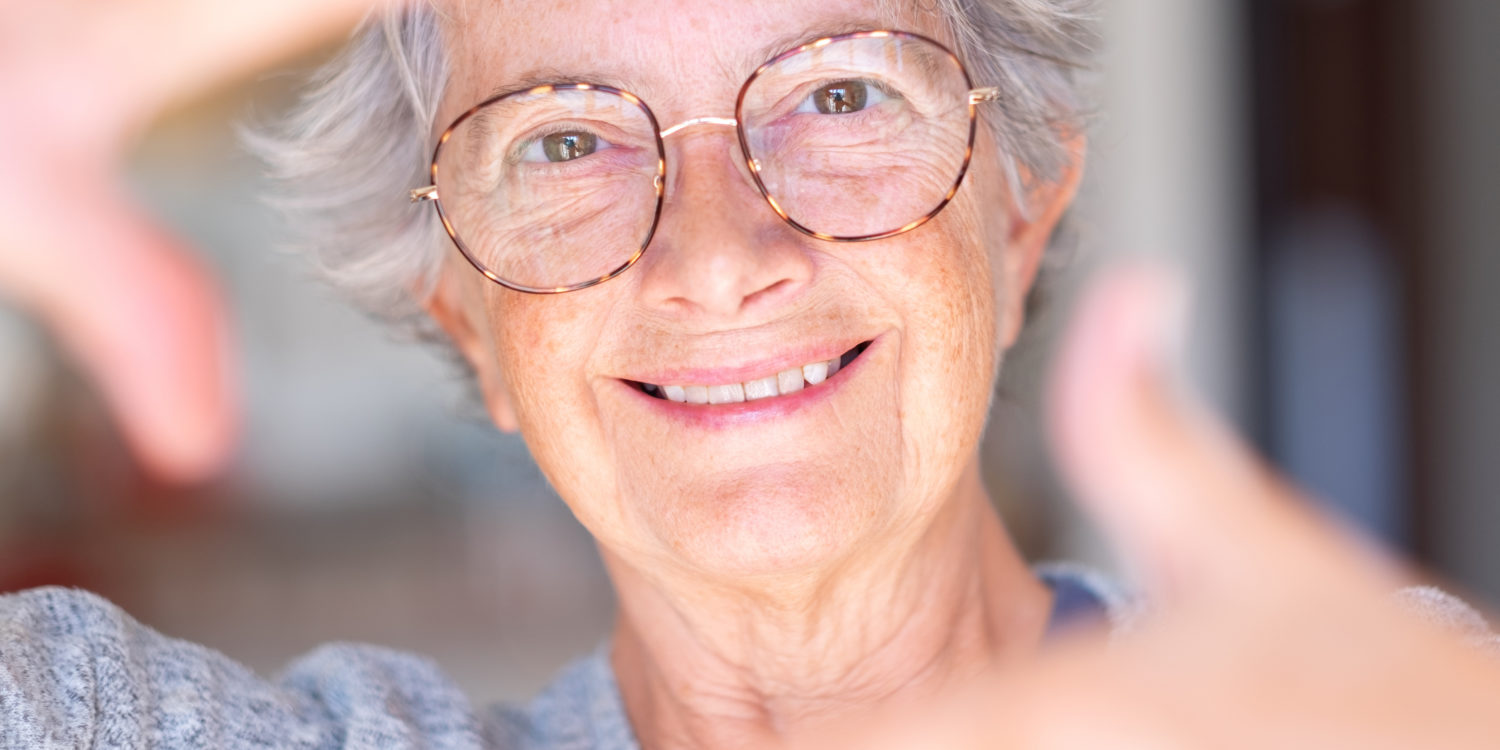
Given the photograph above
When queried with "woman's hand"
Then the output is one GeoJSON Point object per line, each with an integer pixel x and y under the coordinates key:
{"type": "Point", "coordinates": [1269, 626]}
{"type": "Point", "coordinates": [133, 306]}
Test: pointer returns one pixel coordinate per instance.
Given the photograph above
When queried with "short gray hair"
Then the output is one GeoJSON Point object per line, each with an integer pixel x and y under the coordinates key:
{"type": "Point", "coordinates": [341, 160]}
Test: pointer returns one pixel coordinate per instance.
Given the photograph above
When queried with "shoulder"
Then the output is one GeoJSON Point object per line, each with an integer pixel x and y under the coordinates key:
{"type": "Point", "coordinates": [77, 671]}
{"type": "Point", "coordinates": [580, 710]}
{"type": "Point", "coordinates": [1078, 588]}
{"type": "Point", "coordinates": [1081, 587]}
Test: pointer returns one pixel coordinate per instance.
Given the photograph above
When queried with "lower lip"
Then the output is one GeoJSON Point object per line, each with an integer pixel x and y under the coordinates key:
{"type": "Point", "coordinates": [718, 416]}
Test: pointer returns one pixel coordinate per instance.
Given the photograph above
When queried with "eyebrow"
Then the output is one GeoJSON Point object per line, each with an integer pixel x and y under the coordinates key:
{"type": "Point", "coordinates": [791, 41]}
{"type": "Point", "coordinates": [551, 75]}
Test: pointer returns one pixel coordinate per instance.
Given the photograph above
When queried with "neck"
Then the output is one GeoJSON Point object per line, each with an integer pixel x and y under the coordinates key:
{"type": "Point", "coordinates": [717, 666]}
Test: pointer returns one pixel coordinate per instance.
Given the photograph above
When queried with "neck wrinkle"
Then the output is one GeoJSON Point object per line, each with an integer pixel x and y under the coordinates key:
{"type": "Point", "coordinates": [745, 672]}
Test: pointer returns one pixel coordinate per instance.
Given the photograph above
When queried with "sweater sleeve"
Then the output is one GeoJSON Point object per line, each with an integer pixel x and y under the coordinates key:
{"type": "Point", "coordinates": [76, 672]}
{"type": "Point", "coordinates": [1450, 613]}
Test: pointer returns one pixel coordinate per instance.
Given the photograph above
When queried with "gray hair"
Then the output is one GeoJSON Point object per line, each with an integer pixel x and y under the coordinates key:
{"type": "Point", "coordinates": [341, 160]}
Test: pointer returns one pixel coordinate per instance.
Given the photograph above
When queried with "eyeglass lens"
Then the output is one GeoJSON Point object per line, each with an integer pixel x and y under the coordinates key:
{"type": "Point", "coordinates": [557, 187]}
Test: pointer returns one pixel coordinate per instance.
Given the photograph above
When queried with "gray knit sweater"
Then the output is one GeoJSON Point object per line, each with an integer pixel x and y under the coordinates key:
{"type": "Point", "coordinates": [77, 672]}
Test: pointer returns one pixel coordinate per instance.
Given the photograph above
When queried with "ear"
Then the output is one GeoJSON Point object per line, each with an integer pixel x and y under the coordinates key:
{"type": "Point", "coordinates": [457, 305]}
{"type": "Point", "coordinates": [1029, 237]}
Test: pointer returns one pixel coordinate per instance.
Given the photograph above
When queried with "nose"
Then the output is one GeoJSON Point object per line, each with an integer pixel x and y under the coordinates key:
{"type": "Point", "coordinates": [720, 254]}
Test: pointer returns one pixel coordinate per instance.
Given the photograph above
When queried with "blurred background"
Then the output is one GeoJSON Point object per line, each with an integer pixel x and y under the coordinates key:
{"type": "Point", "coordinates": [1328, 170]}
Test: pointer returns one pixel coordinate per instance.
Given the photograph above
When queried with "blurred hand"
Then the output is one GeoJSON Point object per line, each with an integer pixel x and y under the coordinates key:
{"type": "Point", "coordinates": [1269, 628]}
{"type": "Point", "coordinates": [136, 310]}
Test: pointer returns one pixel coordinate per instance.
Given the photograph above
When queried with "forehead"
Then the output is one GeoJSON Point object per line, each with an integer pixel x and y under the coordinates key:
{"type": "Point", "coordinates": [686, 58]}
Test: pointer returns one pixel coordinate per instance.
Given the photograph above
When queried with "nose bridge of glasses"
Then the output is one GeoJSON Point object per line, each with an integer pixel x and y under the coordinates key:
{"type": "Point", "coordinates": [727, 122]}
{"type": "Point", "coordinates": [717, 122]}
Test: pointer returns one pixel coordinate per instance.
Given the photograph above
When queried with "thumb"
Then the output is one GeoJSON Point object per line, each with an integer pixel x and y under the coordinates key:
{"type": "Point", "coordinates": [1186, 502]}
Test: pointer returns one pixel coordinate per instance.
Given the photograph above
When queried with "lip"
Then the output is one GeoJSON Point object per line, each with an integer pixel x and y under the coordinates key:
{"type": "Point", "coordinates": [728, 415]}
{"type": "Point", "coordinates": [749, 370]}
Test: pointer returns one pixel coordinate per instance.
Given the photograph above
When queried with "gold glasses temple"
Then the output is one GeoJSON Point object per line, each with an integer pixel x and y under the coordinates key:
{"type": "Point", "coordinates": [986, 94]}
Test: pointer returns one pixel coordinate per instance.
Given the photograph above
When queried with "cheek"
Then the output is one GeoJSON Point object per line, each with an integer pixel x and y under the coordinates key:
{"type": "Point", "coordinates": [940, 279]}
{"type": "Point", "coordinates": [542, 348]}
{"type": "Point", "coordinates": [947, 271]}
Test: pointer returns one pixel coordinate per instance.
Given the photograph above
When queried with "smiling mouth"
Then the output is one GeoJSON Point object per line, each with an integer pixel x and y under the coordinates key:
{"type": "Point", "coordinates": [770, 386]}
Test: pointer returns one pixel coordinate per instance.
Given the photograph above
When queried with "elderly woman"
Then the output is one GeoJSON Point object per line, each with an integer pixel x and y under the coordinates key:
{"type": "Point", "coordinates": [743, 276]}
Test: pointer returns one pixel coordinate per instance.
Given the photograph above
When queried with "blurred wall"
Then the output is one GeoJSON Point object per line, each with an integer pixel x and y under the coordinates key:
{"type": "Point", "coordinates": [1167, 180]}
{"type": "Point", "coordinates": [1171, 155]}
{"type": "Point", "coordinates": [1460, 77]}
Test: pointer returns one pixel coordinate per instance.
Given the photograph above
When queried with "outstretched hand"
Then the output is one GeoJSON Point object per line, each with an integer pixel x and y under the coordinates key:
{"type": "Point", "coordinates": [134, 307]}
{"type": "Point", "coordinates": [1268, 625]}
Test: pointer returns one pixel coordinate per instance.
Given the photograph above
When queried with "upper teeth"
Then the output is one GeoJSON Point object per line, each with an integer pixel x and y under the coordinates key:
{"type": "Point", "coordinates": [786, 381]}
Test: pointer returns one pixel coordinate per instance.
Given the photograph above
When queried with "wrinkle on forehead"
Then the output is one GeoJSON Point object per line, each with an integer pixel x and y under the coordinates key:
{"type": "Point", "coordinates": [686, 57]}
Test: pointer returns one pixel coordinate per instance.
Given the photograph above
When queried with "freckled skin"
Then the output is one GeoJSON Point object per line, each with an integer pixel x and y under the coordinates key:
{"type": "Point", "coordinates": [772, 511]}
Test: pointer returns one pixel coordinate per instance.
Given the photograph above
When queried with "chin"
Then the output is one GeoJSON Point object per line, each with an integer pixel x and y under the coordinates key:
{"type": "Point", "coordinates": [776, 520]}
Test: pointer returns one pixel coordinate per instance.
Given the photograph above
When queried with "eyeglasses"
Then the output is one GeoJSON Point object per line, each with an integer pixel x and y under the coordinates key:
{"type": "Point", "coordinates": [849, 138]}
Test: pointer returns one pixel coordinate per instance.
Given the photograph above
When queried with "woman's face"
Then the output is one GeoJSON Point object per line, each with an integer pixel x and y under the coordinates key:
{"type": "Point", "coordinates": [728, 293]}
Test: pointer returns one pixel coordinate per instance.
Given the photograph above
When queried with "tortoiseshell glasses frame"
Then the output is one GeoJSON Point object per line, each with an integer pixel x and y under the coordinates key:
{"type": "Point", "coordinates": [429, 193]}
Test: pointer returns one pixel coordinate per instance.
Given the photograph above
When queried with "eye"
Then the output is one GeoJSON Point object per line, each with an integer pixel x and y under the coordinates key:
{"type": "Point", "coordinates": [843, 97]}
{"type": "Point", "coordinates": [564, 146]}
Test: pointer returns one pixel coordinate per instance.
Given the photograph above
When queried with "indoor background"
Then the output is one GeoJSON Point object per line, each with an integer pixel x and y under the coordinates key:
{"type": "Point", "coordinates": [1328, 170]}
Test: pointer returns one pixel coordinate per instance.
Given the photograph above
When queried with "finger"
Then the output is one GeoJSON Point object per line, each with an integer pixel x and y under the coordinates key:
{"type": "Point", "coordinates": [1186, 501]}
{"type": "Point", "coordinates": [132, 307]}
{"type": "Point", "coordinates": [163, 51]}
{"type": "Point", "coordinates": [145, 322]}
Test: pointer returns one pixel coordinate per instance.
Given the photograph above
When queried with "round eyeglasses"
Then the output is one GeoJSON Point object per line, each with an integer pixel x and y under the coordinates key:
{"type": "Point", "coordinates": [849, 138]}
